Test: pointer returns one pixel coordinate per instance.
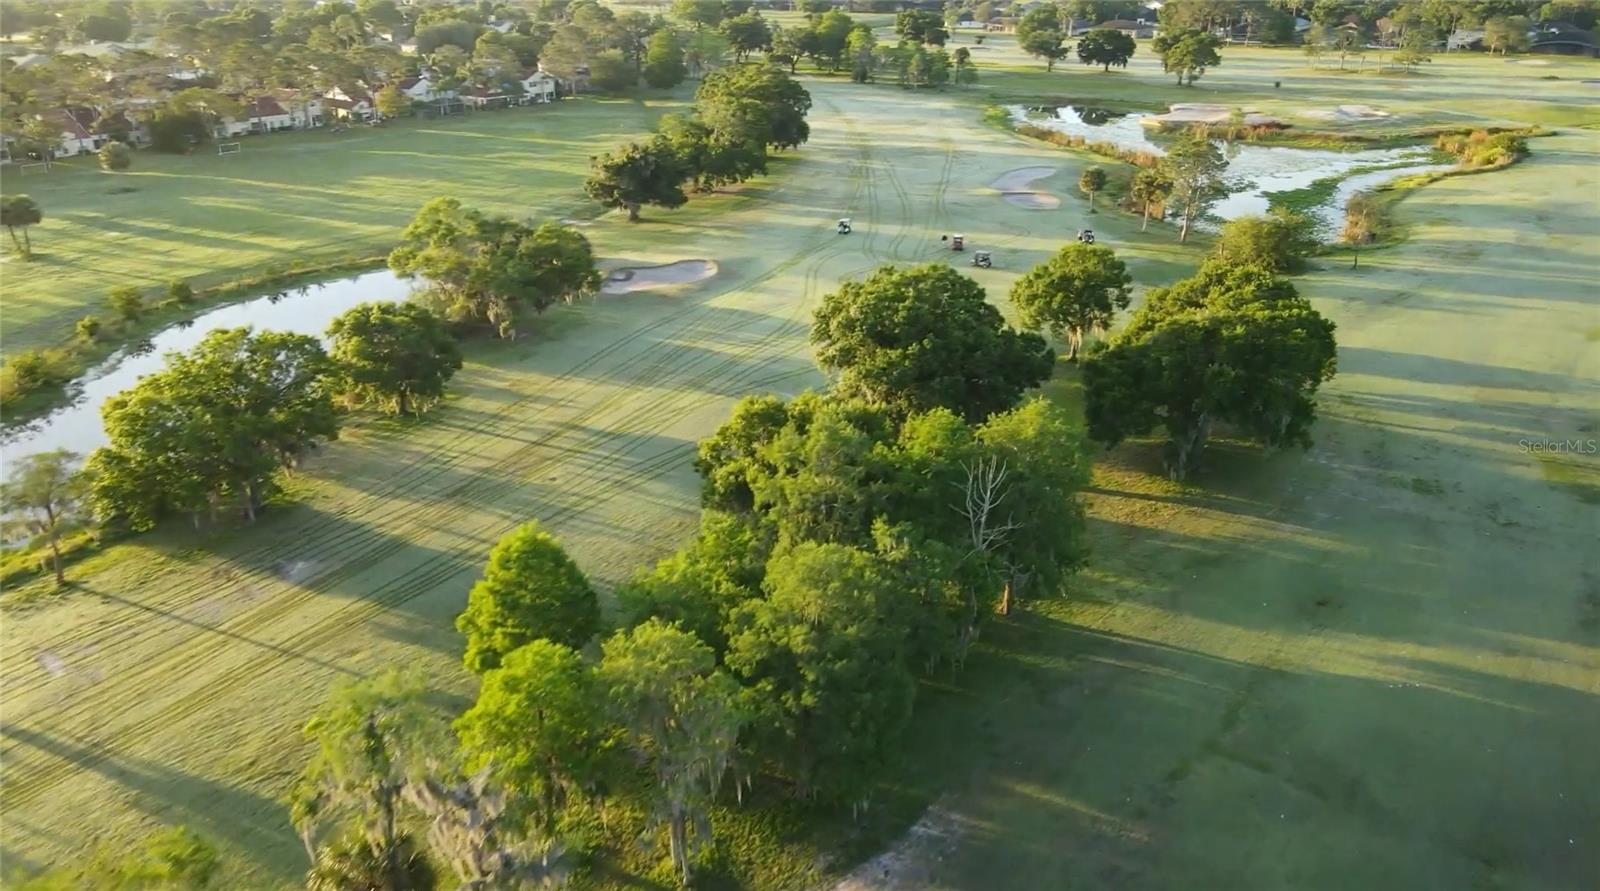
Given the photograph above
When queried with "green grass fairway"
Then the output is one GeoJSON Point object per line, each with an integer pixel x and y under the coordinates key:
{"type": "Point", "coordinates": [1455, 88]}
{"type": "Point", "coordinates": [1372, 665]}
{"type": "Point", "coordinates": [310, 197]}
{"type": "Point", "coordinates": [1375, 664]}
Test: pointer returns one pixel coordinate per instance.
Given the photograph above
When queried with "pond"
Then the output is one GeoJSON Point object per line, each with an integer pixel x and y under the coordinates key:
{"type": "Point", "coordinates": [1330, 214]}
{"type": "Point", "coordinates": [1266, 168]}
{"type": "Point", "coordinates": [305, 310]}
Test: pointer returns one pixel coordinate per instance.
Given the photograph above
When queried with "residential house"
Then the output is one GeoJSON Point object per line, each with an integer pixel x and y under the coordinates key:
{"type": "Point", "coordinates": [304, 112]}
{"type": "Point", "coordinates": [348, 104]}
{"type": "Point", "coordinates": [488, 97]}
{"type": "Point", "coordinates": [424, 89]}
{"type": "Point", "coordinates": [575, 84]}
{"type": "Point", "coordinates": [1136, 30]}
{"type": "Point", "coordinates": [77, 137]}
{"type": "Point", "coordinates": [537, 86]}
{"type": "Point", "coordinates": [117, 125]}
{"type": "Point", "coordinates": [1562, 39]}
{"type": "Point", "coordinates": [1464, 38]}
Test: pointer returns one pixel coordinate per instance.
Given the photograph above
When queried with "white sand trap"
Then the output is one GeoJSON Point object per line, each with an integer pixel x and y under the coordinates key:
{"type": "Point", "coordinates": [1014, 188]}
{"type": "Point", "coordinates": [1201, 113]}
{"type": "Point", "coordinates": [643, 278]}
{"type": "Point", "coordinates": [1033, 200]}
{"type": "Point", "coordinates": [1345, 113]}
{"type": "Point", "coordinates": [1020, 179]}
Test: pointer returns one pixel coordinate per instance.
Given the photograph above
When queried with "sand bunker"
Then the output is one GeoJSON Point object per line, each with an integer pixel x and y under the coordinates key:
{"type": "Point", "coordinates": [1020, 179]}
{"type": "Point", "coordinates": [1032, 200]}
{"type": "Point", "coordinates": [1199, 113]}
{"type": "Point", "coordinates": [643, 278]}
{"type": "Point", "coordinates": [1014, 187]}
{"type": "Point", "coordinates": [1347, 113]}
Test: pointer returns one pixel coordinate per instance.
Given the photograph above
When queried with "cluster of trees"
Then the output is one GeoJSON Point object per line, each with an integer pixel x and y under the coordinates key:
{"type": "Point", "coordinates": [219, 425]}
{"type": "Point", "coordinates": [483, 269]}
{"type": "Point", "coordinates": [1188, 180]}
{"type": "Point", "coordinates": [301, 51]}
{"type": "Point", "coordinates": [850, 541]}
{"type": "Point", "coordinates": [740, 113]}
{"type": "Point", "coordinates": [1043, 31]}
{"type": "Point", "coordinates": [834, 41]}
{"type": "Point", "coordinates": [1231, 345]}
{"type": "Point", "coordinates": [1187, 53]}
{"type": "Point", "coordinates": [127, 305]}
{"type": "Point", "coordinates": [1406, 25]}
{"type": "Point", "coordinates": [1407, 50]}
{"type": "Point", "coordinates": [828, 38]}
{"type": "Point", "coordinates": [1279, 242]}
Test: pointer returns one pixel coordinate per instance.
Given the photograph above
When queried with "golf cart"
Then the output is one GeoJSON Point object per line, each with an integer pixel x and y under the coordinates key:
{"type": "Point", "coordinates": [844, 225]}
{"type": "Point", "coordinates": [958, 242]}
{"type": "Point", "coordinates": [981, 259]}
{"type": "Point", "coordinates": [1086, 236]}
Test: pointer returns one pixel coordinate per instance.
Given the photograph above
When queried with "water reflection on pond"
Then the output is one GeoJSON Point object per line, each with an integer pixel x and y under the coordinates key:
{"type": "Point", "coordinates": [1266, 168]}
{"type": "Point", "coordinates": [304, 310]}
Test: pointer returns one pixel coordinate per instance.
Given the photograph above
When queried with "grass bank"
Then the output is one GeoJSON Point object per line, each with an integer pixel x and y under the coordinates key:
{"type": "Point", "coordinates": [288, 203]}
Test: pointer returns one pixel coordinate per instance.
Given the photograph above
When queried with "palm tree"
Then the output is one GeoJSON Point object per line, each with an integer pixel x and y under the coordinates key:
{"type": "Point", "coordinates": [1150, 188]}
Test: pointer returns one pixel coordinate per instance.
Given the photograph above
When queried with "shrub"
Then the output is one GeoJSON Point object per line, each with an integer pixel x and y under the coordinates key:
{"type": "Point", "coordinates": [115, 156]}
{"type": "Point", "coordinates": [1279, 241]}
{"type": "Point", "coordinates": [1484, 148]}
{"type": "Point", "coordinates": [31, 370]}
{"type": "Point", "coordinates": [126, 302]}
{"type": "Point", "coordinates": [181, 292]}
{"type": "Point", "coordinates": [1104, 149]}
{"type": "Point", "coordinates": [88, 328]}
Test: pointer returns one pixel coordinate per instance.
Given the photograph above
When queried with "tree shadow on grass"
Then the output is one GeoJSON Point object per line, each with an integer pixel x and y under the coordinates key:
{"type": "Point", "coordinates": [244, 823]}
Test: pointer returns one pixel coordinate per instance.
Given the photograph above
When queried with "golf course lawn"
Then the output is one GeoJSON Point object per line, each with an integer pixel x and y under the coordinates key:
{"type": "Point", "coordinates": [310, 198]}
{"type": "Point", "coordinates": [1374, 663]}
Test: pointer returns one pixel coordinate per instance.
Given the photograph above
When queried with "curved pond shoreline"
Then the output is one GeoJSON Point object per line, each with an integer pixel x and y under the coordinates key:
{"type": "Point", "coordinates": [1268, 168]}
{"type": "Point", "coordinates": [308, 309]}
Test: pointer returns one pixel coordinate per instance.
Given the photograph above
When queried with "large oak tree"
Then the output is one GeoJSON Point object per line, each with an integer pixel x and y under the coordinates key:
{"type": "Point", "coordinates": [925, 337]}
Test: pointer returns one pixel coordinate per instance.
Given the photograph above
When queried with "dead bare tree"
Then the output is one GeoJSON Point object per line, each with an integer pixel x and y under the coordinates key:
{"type": "Point", "coordinates": [985, 488]}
